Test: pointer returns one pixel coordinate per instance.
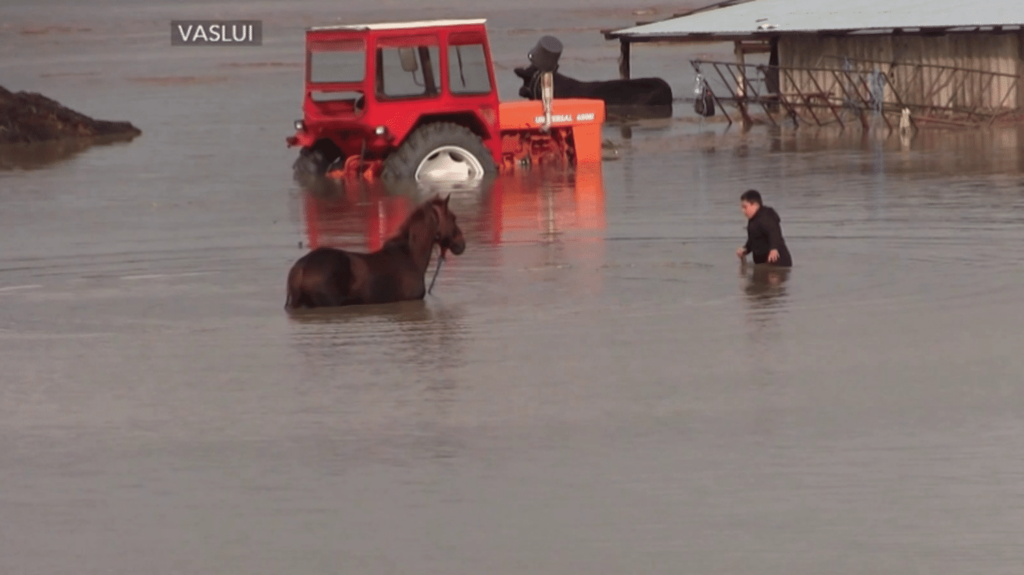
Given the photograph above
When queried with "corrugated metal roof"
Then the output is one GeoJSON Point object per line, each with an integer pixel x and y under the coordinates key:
{"type": "Point", "coordinates": [791, 16]}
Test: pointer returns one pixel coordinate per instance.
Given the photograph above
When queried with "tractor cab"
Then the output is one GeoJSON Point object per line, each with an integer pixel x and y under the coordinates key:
{"type": "Point", "coordinates": [368, 87]}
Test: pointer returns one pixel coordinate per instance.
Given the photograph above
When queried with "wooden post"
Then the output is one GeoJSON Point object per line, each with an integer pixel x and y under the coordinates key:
{"type": "Point", "coordinates": [624, 58]}
{"type": "Point", "coordinates": [741, 88]}
{"type": "Point", "coordinates": [1020, 69]}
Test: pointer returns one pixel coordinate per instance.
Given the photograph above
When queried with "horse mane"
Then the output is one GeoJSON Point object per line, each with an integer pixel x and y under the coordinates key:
{"type": "Point", "coordinates": [401, 237]}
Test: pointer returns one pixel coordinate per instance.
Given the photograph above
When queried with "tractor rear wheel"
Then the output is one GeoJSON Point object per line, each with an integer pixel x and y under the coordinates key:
{"type": "Point", "coordinates": [440, 151]}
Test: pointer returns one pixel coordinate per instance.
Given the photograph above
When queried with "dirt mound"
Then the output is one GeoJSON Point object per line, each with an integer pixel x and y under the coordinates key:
{"type": "Point", "coordinates": [27, 117]}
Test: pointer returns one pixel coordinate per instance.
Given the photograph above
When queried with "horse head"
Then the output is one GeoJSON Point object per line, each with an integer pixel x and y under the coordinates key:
{"type": "Point", "coordinates": [449, 235]}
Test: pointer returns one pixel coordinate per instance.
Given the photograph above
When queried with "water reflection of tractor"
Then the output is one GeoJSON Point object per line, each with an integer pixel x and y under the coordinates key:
{"type": "Point", "coordinates": [419, 101]}
{"type": "Point", "coordinates": [516, 208]}
{"type": "Point", "coordinates": [341, 220]}
{"type": "Point", "coordinates": [525, 209]}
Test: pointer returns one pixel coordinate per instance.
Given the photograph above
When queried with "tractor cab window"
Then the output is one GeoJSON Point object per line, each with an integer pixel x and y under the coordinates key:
{"type": "Point", "coordinates": [408, 71]}
{"type": "Point", "coordinates": [337, 61]}
{"type": "Point", "coordinates": [467, 69]}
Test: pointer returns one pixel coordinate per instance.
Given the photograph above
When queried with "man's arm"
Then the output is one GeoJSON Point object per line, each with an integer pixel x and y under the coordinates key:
{"type": "Point", "coordinates": [745, 249]}
{"type": "Point", "coordinates": [774, 232]}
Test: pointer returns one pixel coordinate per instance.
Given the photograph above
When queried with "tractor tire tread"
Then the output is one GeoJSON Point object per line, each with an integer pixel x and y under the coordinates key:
{"type": "Point", "coordinates": [427, 138]}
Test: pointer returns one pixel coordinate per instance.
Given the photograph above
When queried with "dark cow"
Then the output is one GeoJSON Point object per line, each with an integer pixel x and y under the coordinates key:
{"type": "Point", "coordinates": [634, 93]}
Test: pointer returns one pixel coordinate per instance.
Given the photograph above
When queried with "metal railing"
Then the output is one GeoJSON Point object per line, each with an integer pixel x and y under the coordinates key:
{"type": "Point", "coordinates": [860, 88]}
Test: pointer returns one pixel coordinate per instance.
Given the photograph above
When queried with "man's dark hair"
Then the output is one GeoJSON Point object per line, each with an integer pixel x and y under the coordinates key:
{"type": "Point", "coordinates": [751, 197]}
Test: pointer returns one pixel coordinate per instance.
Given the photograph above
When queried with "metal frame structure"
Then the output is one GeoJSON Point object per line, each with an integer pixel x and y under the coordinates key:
{"type": "Point", "coordinates": [957, 92]}
{"type": "Point", "coordinates": [860, 87]}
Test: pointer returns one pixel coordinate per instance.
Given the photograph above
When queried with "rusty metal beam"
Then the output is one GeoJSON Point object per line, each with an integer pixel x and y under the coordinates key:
{"type": "Point", "coordinates": [718, 102]}
{"type": "Point", "coordinates": [739, 98]}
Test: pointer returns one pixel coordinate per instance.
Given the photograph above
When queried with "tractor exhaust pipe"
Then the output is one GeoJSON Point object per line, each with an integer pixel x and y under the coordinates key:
{"type": "Point", "coordinates": [545, 57]}
{"type": "Point", "coordinates": [547, 94]}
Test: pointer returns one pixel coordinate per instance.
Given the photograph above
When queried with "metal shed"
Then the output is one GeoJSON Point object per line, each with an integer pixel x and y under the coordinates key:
{"type": "Point", "coordinates": [941, 61]}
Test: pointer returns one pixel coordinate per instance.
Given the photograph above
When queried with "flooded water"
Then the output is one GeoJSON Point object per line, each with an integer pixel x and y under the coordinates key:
{"type": "Point", "coordinates": [595, 386]}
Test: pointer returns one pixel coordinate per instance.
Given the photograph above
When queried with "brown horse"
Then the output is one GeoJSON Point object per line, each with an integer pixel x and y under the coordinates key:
{"type": "Point", "coordinates": [327, 277]}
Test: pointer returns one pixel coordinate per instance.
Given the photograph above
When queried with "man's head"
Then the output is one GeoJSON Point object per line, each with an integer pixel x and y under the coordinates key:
{"type": "Point", "coordinates": [750, 202]}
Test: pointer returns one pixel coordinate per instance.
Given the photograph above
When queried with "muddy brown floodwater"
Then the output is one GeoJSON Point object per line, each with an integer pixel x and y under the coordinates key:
{"type": "Point", "coordinates": [595, 386]}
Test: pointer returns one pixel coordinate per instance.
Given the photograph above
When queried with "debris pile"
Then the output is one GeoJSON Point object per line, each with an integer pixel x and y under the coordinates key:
{"type": "Point", "coordinates": [27, 117]}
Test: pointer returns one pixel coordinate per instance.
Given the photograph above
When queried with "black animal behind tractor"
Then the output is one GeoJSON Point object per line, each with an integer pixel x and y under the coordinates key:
{"type": "Point", "coordinates": [639, 96]}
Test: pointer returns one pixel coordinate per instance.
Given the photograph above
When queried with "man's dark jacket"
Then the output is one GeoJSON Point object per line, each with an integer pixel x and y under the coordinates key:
{"type": "Point", "coordinates": [764, 234]}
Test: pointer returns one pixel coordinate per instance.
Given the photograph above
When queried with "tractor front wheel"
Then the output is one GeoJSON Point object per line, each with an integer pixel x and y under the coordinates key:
{"type": "Point", "coordinates": [315, 160]}
{"type": "Point", "coordinates": [440, 151]}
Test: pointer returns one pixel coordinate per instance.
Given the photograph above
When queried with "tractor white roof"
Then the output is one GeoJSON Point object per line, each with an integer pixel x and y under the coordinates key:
{"type": "Point", "coordinates": [401, 25]}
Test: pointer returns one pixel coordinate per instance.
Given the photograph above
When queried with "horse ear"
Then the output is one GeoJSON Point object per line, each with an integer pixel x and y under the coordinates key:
{"type": "Point", "coordinates": [446, 199]}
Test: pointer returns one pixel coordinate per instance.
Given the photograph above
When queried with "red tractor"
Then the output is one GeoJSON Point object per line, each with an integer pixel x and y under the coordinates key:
{"type": "Point", "coordinates": [419, 101]}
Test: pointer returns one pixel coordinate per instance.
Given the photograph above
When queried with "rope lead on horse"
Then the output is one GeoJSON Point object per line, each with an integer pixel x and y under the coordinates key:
{"type": "Point", "coordinates": [440, 261]}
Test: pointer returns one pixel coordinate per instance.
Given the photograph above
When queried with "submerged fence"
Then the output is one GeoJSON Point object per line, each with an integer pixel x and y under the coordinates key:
{"type": "Point", "coordinates": [854, 90]}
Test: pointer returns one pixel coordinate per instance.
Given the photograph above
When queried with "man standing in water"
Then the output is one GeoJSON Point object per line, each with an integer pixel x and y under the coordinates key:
{"type": "Point", "coordinates": [764, 234]}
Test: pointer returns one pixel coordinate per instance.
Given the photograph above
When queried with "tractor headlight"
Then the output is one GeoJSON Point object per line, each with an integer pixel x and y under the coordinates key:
{"type": "Point", "coordinates": [300, 125]}
{"type": "Point", "coordinates": [380, 131]}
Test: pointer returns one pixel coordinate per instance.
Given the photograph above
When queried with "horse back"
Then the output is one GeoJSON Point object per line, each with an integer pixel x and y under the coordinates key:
{"type": "Point", "coordinates": [322, 278]}
{"type": "Point", "coordinates": [329, 277]}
